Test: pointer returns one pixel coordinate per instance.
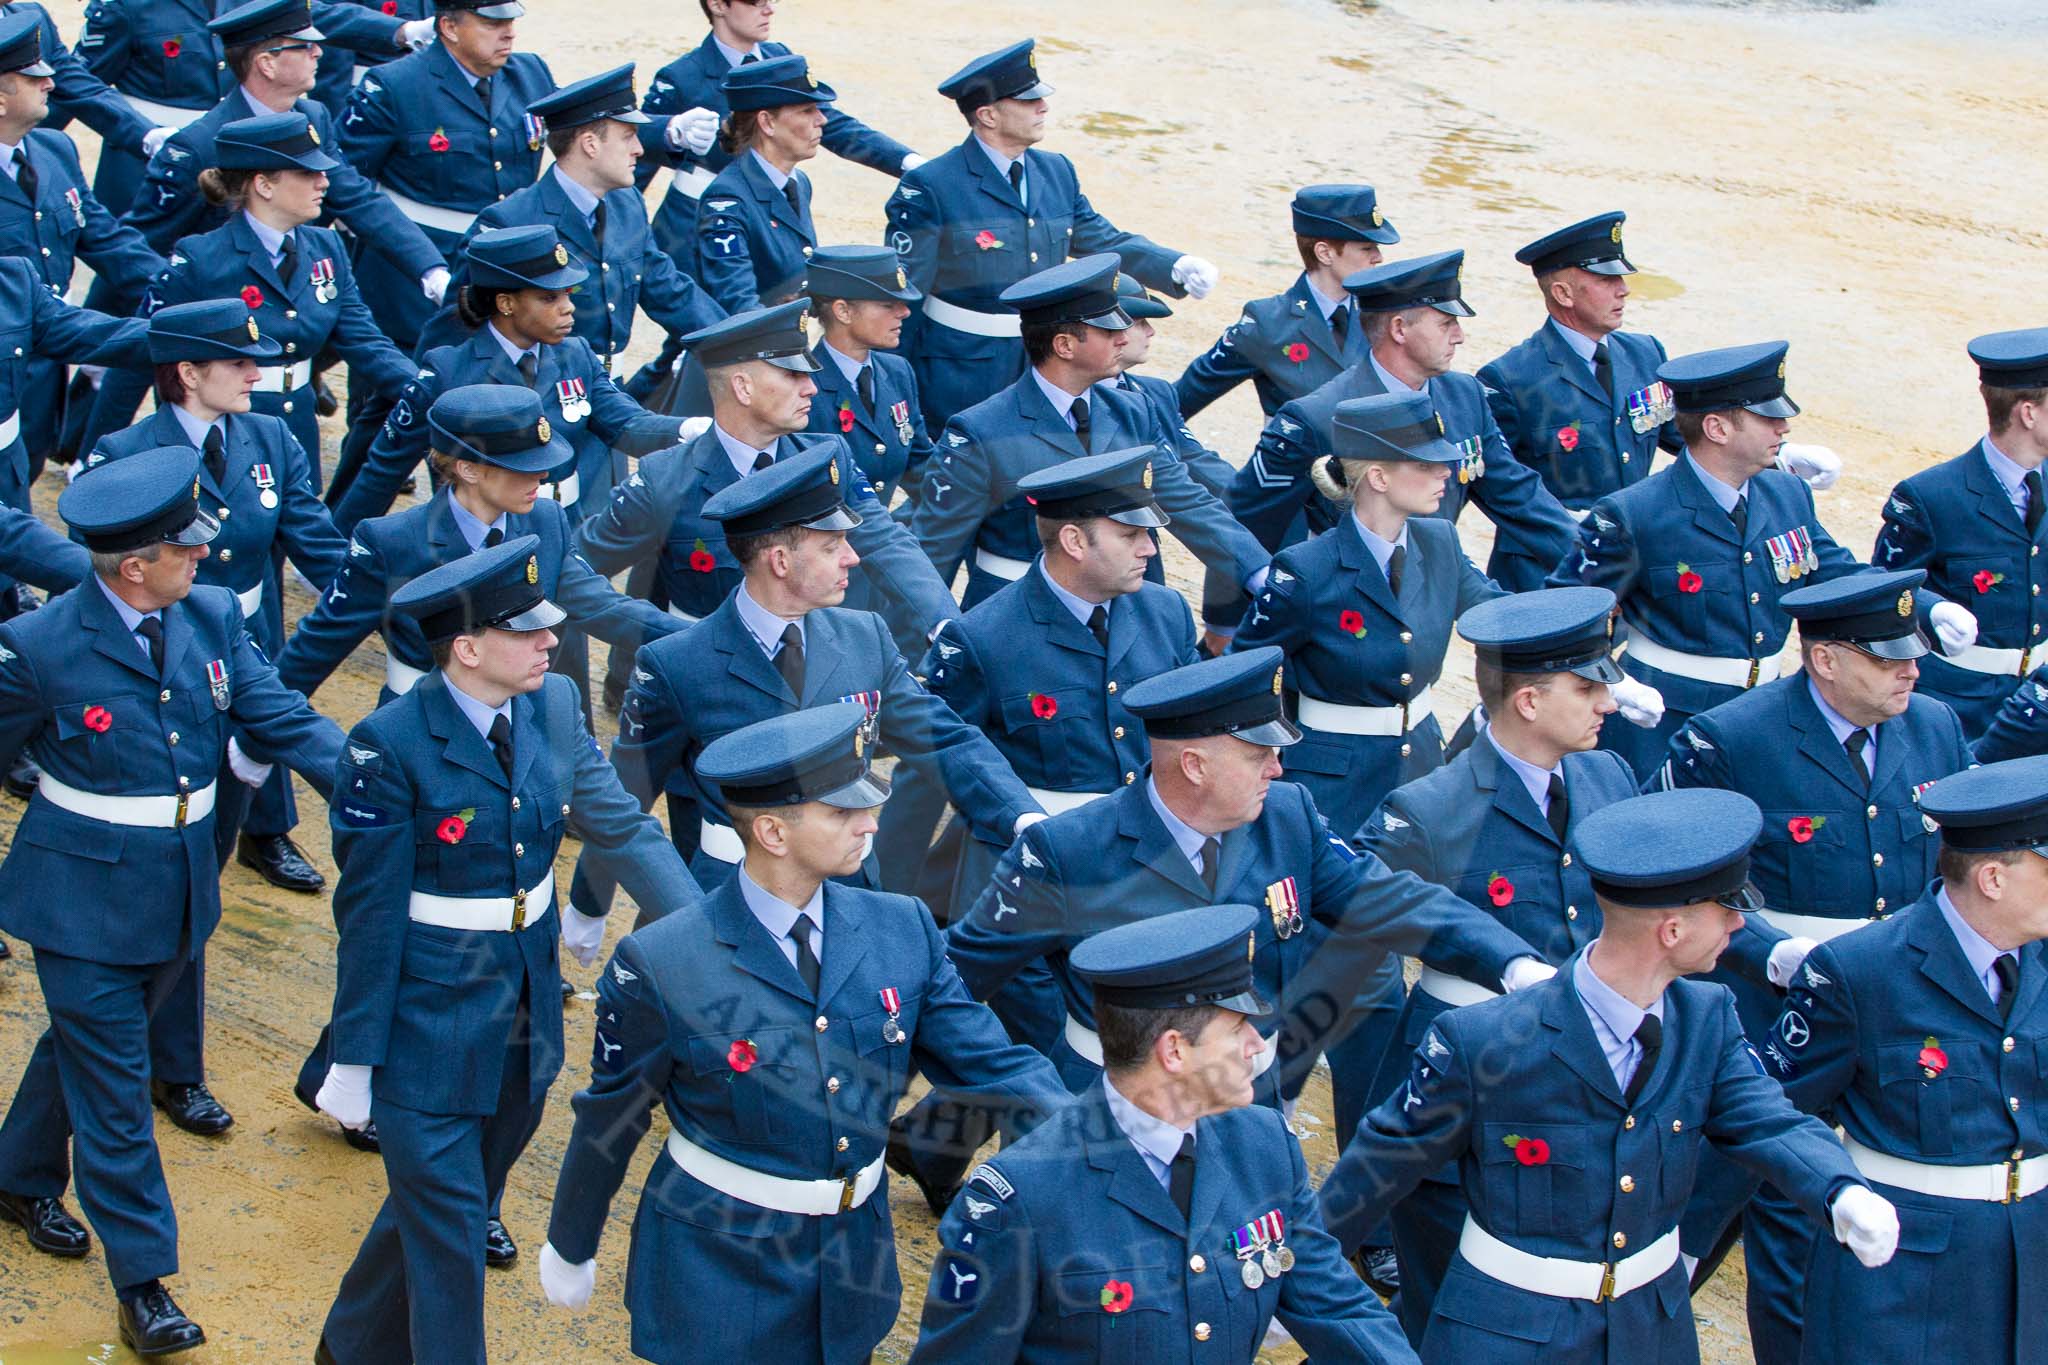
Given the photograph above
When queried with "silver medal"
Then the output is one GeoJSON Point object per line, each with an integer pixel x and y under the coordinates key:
{"type": "Point", "coordinates": [1270, 1261]}
{"type": "Point", "coordinates": [1286, 1257]}
{"type": "Point", "coordinates": [1253, 1276]}
{"type": "Point", "coordinates": [892, 1032]}
{"type": "Point", "coordinates": [268, 497]}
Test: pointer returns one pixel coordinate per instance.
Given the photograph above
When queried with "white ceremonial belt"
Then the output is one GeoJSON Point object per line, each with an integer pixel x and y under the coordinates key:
{"type": "Point", "coordinates": [563, 491]}
{"type": "Point", "coordinates": [2005, 1182]}
{"type": "Point", "coordinates": [1002, 566]}
{"type": "Point", "coordinates": [721, 842]}
{"type": "Point", "coordinates": [401, 677]}
{"type": "Point", "coordinates": [10, 428]}
{"type": "Point", "coordinates": [163, 115]}
{"type": "Point", "coordinates": [457, 221]}
{"type": "Point", "coordinates": [1599, 1281]}
{"type": "Point", "coordinates": [967, 320]}
{"type": "Point", "coordinates": [1385, 721]}
{"type": "Point", "coordinates": [682, 615]}
{"type": "Point", "coordinates": [2009, 663]}
{"type": "Point", "coordinates": [1706, 668]}
{"type": "Point", "coordinates": [252, 600]}
{"type": "Point", "coordinates": [1087, 1045]}
{"type": "Point", "coordinates": [1059, 803]}
{"type": "Point", "coordinates": [1819, 928]}
{"type": "Point", "coordinates": [282, 378]}
{"type": "Point", "coordinates": [816, 1198]}
{"type": "Point", "coordinates": [503, 914]}
{"type": "Point", "coordinates": [1454, 991]}
{"type": "Point", "coordinates": [690, 182]}
{"type": "Point", "coordinates": [144, 812]}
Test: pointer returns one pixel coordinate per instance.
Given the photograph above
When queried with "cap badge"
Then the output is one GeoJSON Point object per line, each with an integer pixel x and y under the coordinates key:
{"type": "Point", "coordinates": [254, 335]}
{"type": "Point", "coordinates": [902, 280]}
{"type": "Point", "coordinates": [1614, 234]}
{"type": "Point", "coordinates": [561, 254]}
{"type": "Point", "coordinates": [542, 432]}
{"type": "Point", "coordinates": [1251, 947]}
{"type": "Point", "coordinates": [1781, 369]}
{"type": "Point", "coordinates": [1276, 679]}
{"type": "Point", "coordinates": [1147, 476]}
{"type": "Point", "coordinates": [1378, 220]}
{"type": "Point", "coordinates": [1906, 603]}
{"type": "Point", "coordinates": [859, 744]}
{"type": "Point", "coordinates": [195, 488]}
{"type": "Point", "coordinates": [313, 133]}
{"type": "Point", "coordinates": [532, 570]}
{"type": "Point", "coordinates": [833, 470]}
{"type": "Point", "coordinates": [809, 79]}
{"type": "Point", "coordinates": [1439, 422]}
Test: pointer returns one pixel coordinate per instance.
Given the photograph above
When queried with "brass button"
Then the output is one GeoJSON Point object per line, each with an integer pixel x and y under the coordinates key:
{"type": "Point", "coordinates": [519, 850]}
{"type": "Point", "coordinates": [497, 165]}
{"type": "Point", "coordinates": [807, 251]}
{"type": "Point", "coordinates": [831, 1085]}
{"type": "Point", "coordinates": [290, 347]}
{"type": "Point", "coordinates": [1678, 1125]}
{"type": "Point", "coordinates": [881, 449]}
{"type": "Point", "coordinates": [174, 736]}
{"type": "Point", "coordinates": [1112, 685]}
{"type": "Point", "coordinates": [605, 266]}
{"type": "Point", "coordinates": [842, 1144]}
{"type": "Point", "coordinates": [515, 803]}
{"type": "Point", "coordinates": [1870, 812]}
{"type": "Point", "coordinates": [822, 1024]}
{"type": "Point", "coordinates": [2007, 1045]}
{"type": "Point", "coordinates": [291, 312]}
{"type": "Point", "coordinates": [1197, 1263]}
{"type": "Point", "coordinates": [1629, 1122]}
{"type": "Point", "coordinates": [1755, 598]}
{"type": "Point", "coordinates": [2014, 1100]}
{"type": "Point", "coordinates": [1758, 637]}
{"type": "Point", "coordinates": [1407, 637]}
{"type": "Point", "coordinates": [1201, 1328]}
{"type": "Point", "coordinates": [1628, 1184]}
{"type": "Point", "coordinates": [1877, 860]}
{"type": "Point", "coordinates": [1406, 749]}
{"type": "Point", "coordinates": [226, 555]}
{"type": "Point", "coordinates": [1118, 733]}
{"type": "Point", "coordinates": [1034, 256]}
{"type": "Point", "coordinates": [288, 405]}
{"type": "Point", "coordinates": [1030, 222]}
{"type": "Point", "coordinates": [1129, 778]}
{"type": "Point", "coordinates": [1407, 678]}
{"type": "Point", "coordinates": [1620, 1240]}
{"type": "Point", "coordinates": [1571, 912]}
{"type": "Point", "coordinates": [1567, 860]}
{"type": "Point", "coordinates": [1880, 905]}
{"type": "Point", "coordinates": [165, 695]}
{"type": "Point", "coordinates": [1747, 556]}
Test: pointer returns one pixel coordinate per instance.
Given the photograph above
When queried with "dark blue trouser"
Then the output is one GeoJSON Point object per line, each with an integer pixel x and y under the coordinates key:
{"type": "Point", "coordinates": [87, 1083]}
{"type": "Point", "coordinates": [1425, 1226]}
{"type": "Point", "coordinates": [1356, 1079]}
{"type": "Point", "coordinates": [416, 1289]}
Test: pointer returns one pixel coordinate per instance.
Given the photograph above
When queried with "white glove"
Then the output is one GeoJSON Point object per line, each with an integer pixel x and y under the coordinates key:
{"type": "Point", "coordinates": [567, 1286]}
{"type": "Point", "coordinates": [1956, 626]}
{"type": "Point", "coordinates": [1639, 703]}
{"type": "Point", "coordinates": [1195, 275]}
{"type": "Point", "coordinates": [583, 933]}
{"type": "Point", "coordinates": [1028, 819]}
{"type": "Point", "coordinates": [1867, 1224]}
{"type": "Point", "coordinates": [1525, 972]}
{"type": "Point", "coordinates": [246, 769]}
{"type": "Point", "coordinates": [434, 284]}
{"type": "Point", "coordinates": [692, 428]}
{"type": "Point", "coordinates": [1785, 960]}
{"type": "Point", "coordinates": [155, 138]}
{"type": "Point", "coordinates": [911, 161]}
{"type": "Point", "coordinates": [1818, 465]}
{"type": "Point", "coordinates": [416, 34]}
{"type": "Point", "coordinates": [345, 1095]}
{"type": "Point", "coordinates": [693, 131]}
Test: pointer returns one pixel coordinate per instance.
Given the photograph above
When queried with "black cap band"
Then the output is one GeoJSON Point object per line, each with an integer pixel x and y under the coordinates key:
{"type": "Point", "coordinates": [1725, 880]}
{"type": "Point", "coordinates": [1261, 708]}
{"type": "Point", "coordinates": [800, 787]}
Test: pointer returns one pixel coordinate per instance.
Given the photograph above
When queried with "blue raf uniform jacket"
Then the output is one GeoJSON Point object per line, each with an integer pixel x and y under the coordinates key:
{"type": "Point", "coordinates": [1531, 530]}
{"type": "Point", "coordinates": [33, 553]}
{"type": "Point", "coordinates": [1112, 861]}
{"type": "Point", "coordinates": [1283, 344]}
{"type": "Point", "coordinates": [78, 93]}
{"type": "Point", "coordinates": [748, 240]}
{"type": "Point", "coordinates": [889, 440]}
{"type": "Point", "coordinates": [1029, 1246]}
{"type": "Point", "coordinates": [969, 501]}
{"type": "Point", "coordinates": [416, 127]}
{"type": "Point", "coordinates": [125, 894]}
{"type": "Point", "coordinates": [421, 805]}
{"type": "Point", "coordinates": [714, 678]}
{"type": "Point", "coordinates": [1399, 656]}
{"type": "Point", "coordinates": [965, 238]}
{"type": "Point", "coordinates": [341, 67]}
{"type": "Point", "coordinates": [694, 81]}
{"type": "Point", "coordinates": [261, 454]}
{"type": "Point", "coordinates": [2020, 726]}
{"type": "Point", "coordinates": [660, 509]}
{"type": "Point", "coordinates": [676, 998]}
{"type": "Point", "coordinates": [1540, 390]}
{"type": "Point", "coordinates": [1955, 522]}
{"type": "Point", "coordinates": [1493, 1075]}
{"type": "Point", "coordinates": [581, 404]}
{"type": "Point", "coordinates": [1964, 1284]}
{"type": "Point", "coordinates": [386, 553]}
{"type": "Point", "coordinates": [37, 326]}
{"type": "Point", "coordinates": [628, 272]}
{"type": "Point", "coordinates": [303, 317]}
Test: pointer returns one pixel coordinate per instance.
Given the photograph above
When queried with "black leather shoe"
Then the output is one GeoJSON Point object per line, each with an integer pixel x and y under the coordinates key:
{"type": "Point", "coordinates": [276, 859]}
{"type": "Point", "coordinates": [193, 1108]}
{"type": "Point", "coordinates": [21, 777]}
{"type": "Point", "coordinates": [499, 1248]}
{"type": "Point", "coordinates": [50, 1227]}
{"type": "Point", "coordinates": [325, 404]}
{"type": "Point", "coordinates": [363, 1139]}
{"type": "Point", "coordinates": [1379, 1269]}
{"type": "Point", "coordinates": [904, 1164]}
{"type": "Point", "coordinates": [152, 1324]}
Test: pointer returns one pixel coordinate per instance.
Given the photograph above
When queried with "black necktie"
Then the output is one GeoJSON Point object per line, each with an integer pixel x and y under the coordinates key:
{"type": "Point", "coordinates": [1180, 1175]}
{"type": "Point", "coordinates": [1212, 851]}
{"type": "Point", "coordinates": [25, 175]}
{"type": "Point", "coordinates": [214, 449]}
{"type": "Point", "coordinates": [483, 92]}
{"type": "Point", "coordinates": [1739, 514]}
{"type": "Point", "coordinates": [597, 225]}
{"type": "Point", "coordinates": [151, 629]}
{"type": "Point", "coordinates": [501, 743]}
{"type": "Point", "coordinates": [1650, 1033]}
{"type": "Point", "coordinates": [1017, 178]}
{"type": "Point", "coordinates": [529, 367]}
{"type": "Point", "coordinates": [494, 536]}
{"type": "Point", "coordinates": [796, 205]}
{"type": "Point", "coordinates": [1560, 812]}
{"type": "Point", "coordinates": [789, 660]}
{"type": "Point", "coordinates": [763, 459]}
{"type": "Point", "coordinates": [807, 965]}
{"type": "Point", "coordinates": [288, 258]}
{"type": "Point", "coordinates": [1098, 625]}
{"type": "Point", "coordinates": [1079, 412]}
{"type": "Point", "coordinates": [2006, 967]}
{"type": "Point", "coordinates": [750, 59]}
{"type": "Point", "coordinates": [1603, 369]}
{"type": "Point", "coordinates": [1855, 742]}
{"type": "Point", "coordinates": [1396, 562]}
{"type": "Point", "coordinates": [865, 383]}
{"type": "Point", "coordinates": [1340, 324]}
{"type": "Point", "coordinates": [2034, 508]}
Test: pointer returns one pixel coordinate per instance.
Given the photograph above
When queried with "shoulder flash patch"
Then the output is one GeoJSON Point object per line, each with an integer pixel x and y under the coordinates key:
{"type": "Point", "coordinates": [994, 1179]}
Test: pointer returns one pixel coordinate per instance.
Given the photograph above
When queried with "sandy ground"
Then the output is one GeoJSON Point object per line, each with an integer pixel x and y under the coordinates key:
{"type": "Point", "coordinates": [1845, 176]}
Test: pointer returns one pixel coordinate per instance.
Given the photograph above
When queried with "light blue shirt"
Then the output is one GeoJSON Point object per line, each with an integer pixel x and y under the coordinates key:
{"type": "Point", "coordinates": [2010, 474]}
{"type": "Point", "coordinates": [479, 715]}
{"type": "Point", "coordinates": [512, 353]}
{"type": "Point", "coordinates": [764, 625]}
{"type": "Point", "coordinates": [1156, 1140]}
{"type": "Point", "coordinates": [1615, 1019]}
{"type": "Point", "coordinates": [1062, 401]}
{"type": "Point", "coordinates": [848, 366]}
{"type": "Point", "coordinates": [1723, 494]}
{"type": "Point", "coordinates": [130, 617]}
{"type": "Point", "coordinates": [1975, 946]}
{"type": "Point", "coordinates": [1843, 727]}
{"type": "Point", "coordinates": [1382, 550]}
{"type": "Point", "coordinates": [776, 177]}
{"type": "Point", "coordinates": [739, 452]}
{"type": "Point", "coordinates": [1081, 607]}
{"type": "Point", "coordinates": [270, 237]}
{"type": "Point", "coordinates": [1387, 378]}
{"type": "Point", "coordinates": [194, 429]}
{"type": "Point", "coordinates": [732, 55]}
{"type": "Point", "coordinates": [584, 201]}
{"type": "Point", "coordinates": [1186, 837]}
{"type": "Point", "coordinates": [7, 151]}
{"type": "Point", "coordinates": [778, 916]}
{"type": "Point", "coordinates": [1581, 344]}
{"type": "Point", "coordinates": [473, 530]}
{"type": "Point", "coordinates": [1328, 306]}
{"type": "Point", "coordinates": [1002, 164]}
{"type": "Point", "coordinates": [1535, 779]}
